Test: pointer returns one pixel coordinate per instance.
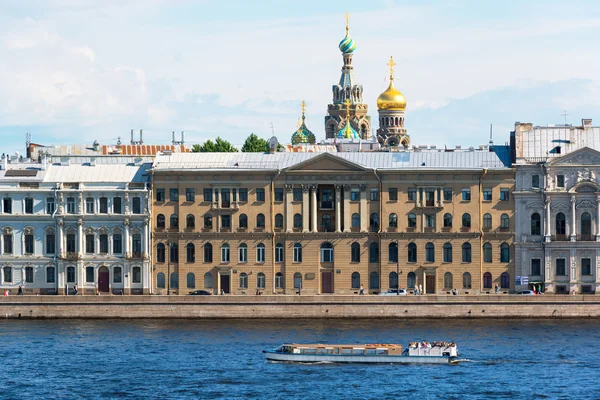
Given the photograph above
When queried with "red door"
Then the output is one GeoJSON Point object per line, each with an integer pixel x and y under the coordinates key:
{"type": "Point", "coordinates": [103, 280]}
{"type": "Point", "coordinates": [326, 282]}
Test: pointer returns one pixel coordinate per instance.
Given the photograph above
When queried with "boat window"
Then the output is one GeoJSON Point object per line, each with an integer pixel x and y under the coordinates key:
{"type": "Point", "coordinates": [346, 351]}
{"type": "Point", "coordinates": [309, 351]}
{"type": "Point", "coordinates": [358, 351]}
{"type": "Point", "coordinates": [322, 351]}
{"type": "Point", "coordinates": [371, 351]}
{"type": "Point", "coordinates": [382, 351]}
{"type": "Point", "coordinates": [336, 351]}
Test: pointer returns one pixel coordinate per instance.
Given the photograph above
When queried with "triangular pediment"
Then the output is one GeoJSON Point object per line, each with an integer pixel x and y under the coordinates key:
{"type": "Point", "coordinates": [327, 162]}
{"type": "Point", "coordinates": [583, 156]}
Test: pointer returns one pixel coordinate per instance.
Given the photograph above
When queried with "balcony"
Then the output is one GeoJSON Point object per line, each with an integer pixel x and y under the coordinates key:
{"type": "Point", "coordinates": [225, 204]}
{"type": "Point", "coordinates": [560, 238]}
{"type": "Point", "coordinates": [71, 255]}
{"type": "Point", "coordinates": [326, 205]}
{"type": "Point", "coordinates": [586, 237]}
{"type": "Point", "coordinates": [326, 228]}
{"type": "Point", "coordinates": [136, 255]}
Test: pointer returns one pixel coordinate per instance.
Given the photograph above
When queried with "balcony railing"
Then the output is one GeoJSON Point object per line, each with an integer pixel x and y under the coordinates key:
{"type": "Point", "coordinates": [71, 255]}
{"type": "Point", "coordinates": [225, 204]}
{"type": "Point", "coordinates": [586, 237]}
{"type": "Point", "coordinates": [560, 238]}
{"type": "Point", "coordinates": [326, 205]}
{"type": "Point", "coordinates": [136, 255]}
{"type": "Point", "coordinates": [326, 228]}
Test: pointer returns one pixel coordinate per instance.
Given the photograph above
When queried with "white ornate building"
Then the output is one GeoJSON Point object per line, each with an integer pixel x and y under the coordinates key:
{"type": "Point", "coordinates": [557, 207]}
{"type": "Point", "coordinates": [83, 220]}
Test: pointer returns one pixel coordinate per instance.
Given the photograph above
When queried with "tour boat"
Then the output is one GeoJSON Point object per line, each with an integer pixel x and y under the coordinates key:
{"type": "Point", "coordinates": [416, 352]}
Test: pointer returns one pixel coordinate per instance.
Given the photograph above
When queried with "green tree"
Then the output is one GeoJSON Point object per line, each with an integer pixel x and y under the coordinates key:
{"type": "Point", "coordinates": [254, 144]}
{"type": "Point", "coordinates": [218, 146]}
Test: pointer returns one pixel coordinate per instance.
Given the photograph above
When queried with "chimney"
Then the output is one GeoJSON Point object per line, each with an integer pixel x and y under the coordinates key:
{"type": "Point", "coordinates": [132, 137]}
{"type": "Point", "coordinates": [5, 161]}
{"type": "Point", "coordinates": [141, 140]}
{"type": "Point", "coordinates": [44, 162]}
{"type": "Point", "coordinates": [183, 140]}
{"type": "Point", "coordinates": [173, 141]}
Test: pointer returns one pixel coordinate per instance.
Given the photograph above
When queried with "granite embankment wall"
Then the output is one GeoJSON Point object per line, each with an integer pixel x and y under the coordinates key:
{"type": "Point", "coordinates": [489, 306]}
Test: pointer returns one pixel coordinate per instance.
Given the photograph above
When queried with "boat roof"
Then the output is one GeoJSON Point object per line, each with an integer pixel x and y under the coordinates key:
{"type": "Point", "coordinates": [355, 346]}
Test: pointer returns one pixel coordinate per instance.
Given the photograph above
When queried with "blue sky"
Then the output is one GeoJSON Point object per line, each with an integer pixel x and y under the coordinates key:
{"type": "Point", "coordinates": [79, 71]}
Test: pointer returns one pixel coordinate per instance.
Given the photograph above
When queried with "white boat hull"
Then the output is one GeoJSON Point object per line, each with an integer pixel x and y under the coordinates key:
{"type": "Point", "coordinates": [349, 358]}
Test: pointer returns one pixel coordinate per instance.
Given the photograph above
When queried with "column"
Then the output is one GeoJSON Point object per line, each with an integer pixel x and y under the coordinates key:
{"type": "Point", "coordinates": [573, 266]}
{"type": "Point", "coordinates": [548, 273]}
{"type": "Point", "coordinates": [597, 269]}
{"type": "Point", "coordinates": [126, 239]}
{"type": "Point", "coordinates": [143, 240]}
{"type": "Point", "coordinates": [598, 219]}
{"type": "Point", "coordinates": [364, 213]}
{"type": "Point", "coordinates": [80, 250]}
{"type": "Point", "coordinates": [573, 218]}
{"type": "Point", "coordinates": [289, 224]}
{"type": "Point", "coordinates": [547, 224]}
{"type": "Point", "coordinates": [347, 214]}
{"type": "Point", "coordinates": [61, 238]}
{"type": "Point", "coordinates": [215, 200]}
{"type": "Point", "coordinates": [110, 244]}
{"type": "Point", "coordinates": [305, 208]}
{"type": "Point", "coordinates": [338, 208]}
{"type": "Point", "coordinates": [235, 199]}
{"type": "Point", "coordinates": [313, 205]}
{"type": "Point", "coordinates": [146, 242]}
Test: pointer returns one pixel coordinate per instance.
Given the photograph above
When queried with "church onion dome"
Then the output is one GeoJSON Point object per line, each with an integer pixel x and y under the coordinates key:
{"type": "Point", "coordinates": [347, 45]}
{"type": "Point", "coordinates": [303, 134]}
{"type": "Point", "coordinates": [392, 98]}
{"type": "Point", "coordinates": [348, 132]}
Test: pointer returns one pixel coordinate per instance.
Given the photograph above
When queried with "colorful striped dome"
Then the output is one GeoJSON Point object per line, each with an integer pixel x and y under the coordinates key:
{"type": "Point", "coordinates": [347, 45]}
{"type": "Point", "coordinates": [348, 132]}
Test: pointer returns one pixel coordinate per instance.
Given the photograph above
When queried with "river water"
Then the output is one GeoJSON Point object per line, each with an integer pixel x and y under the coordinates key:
{"type": "Point", "coordinates": [222, 359]}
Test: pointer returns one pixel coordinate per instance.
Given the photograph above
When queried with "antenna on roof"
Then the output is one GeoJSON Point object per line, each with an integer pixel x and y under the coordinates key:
{"type": "Point", "coordinates": [272, 129]}
{"type": "Point", "coordinates": [564, 114]}
{"type": "Point", "coordinates": [136, 142]}
{"type": "Point", "coordinates": [491, 135]}
{"type": "Point", "coordinates": [177, 142]}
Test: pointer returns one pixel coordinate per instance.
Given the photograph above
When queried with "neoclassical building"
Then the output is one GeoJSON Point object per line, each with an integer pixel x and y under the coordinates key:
{"type": "Point", "coordinates": [557, 204]}
{"type": "Point", "coordinates": [75, 220]}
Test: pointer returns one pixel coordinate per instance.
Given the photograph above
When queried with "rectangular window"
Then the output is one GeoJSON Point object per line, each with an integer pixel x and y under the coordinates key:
{"type": "Point", "coordinates": [466, 194]}
{"type": "Point", "coordinates": [297, 193]}
{"type": "Point", "coordinates": [103, 244]}
{"type": "Point", "coordinates": [89, 205]}
{"type": "Point", "coordinates": [136, 275]}
{"type": "Point", "coordinates": [117, 243]}
{"type": "Point", "coordinates": [103, 205]}
{"type": "Point", "coordinates": [208, 194]}
{"type": "Point", "coordinates": [71, 243]}
{"type": "Point", "coordinates": [561, 267]}
{"type": "Point", "coordinates": [117, 275]}
{"type": "Point", "coordinates": [89, 244]}
{"type": "Point", "coordinates": [117, 205]}
{"type": "Point", "coordinates": [226, 221]}
{"type": "Point", "coordinates": [89, 274]}
{"type": "Point", "coordinates": [70, 274]}
{"type": "Point", "coordinates": [429, 198]}
{"type": "Point", "coordinates": [190, 194]}
{"type": "Point", "coordinates": [504, 194]}
{"type": "Point", "coordinates": [8, 244]}
{"type": "Point", "coordinates": [429, 220]}
{"type": "Point", "coordinates": [412, 194]}
{"type": "Point", "coordinates": [260, 194]}
{"type": "Point", "coordinates": [136, 205]}
{"type": "Point", "coordinates": [50, 243]}
{"type": "Point", "coordinates": [28, 244]}
{"type": "Point", "coordinates": [70, 205]}
{"type": "Point", "coordinates": [447, 194]}
{"type": "Point", "coordinates": [355, 195]}
{"type": "Point", "coordinates": [535, 181]}
{"type": "Point", "coordinates": [244, 194]}
{"type": "Point", "coordinates": [560, 181]}
{"type": "Point", "coordinates": [50, 275]}
{"type": "Point", "coordinates": [50, 205]}
{"type": "Point", "coordinates": [29, 274]}
{"type": "Point", "coordinates": [173, 194]}
{"type": "Point", "coordinates": [374, 195]}
{"type": "Point", "coordinates": [536, 266]}
{"type": "Point", "coordinates": [7, 205]}
{"type": "Point", "coordinates": [160, 194]}
{"type": "Point", "coordinates": [586, 266]}
{"type": "Point", "coordinates": [28, 205]}
{"type": "Point", "coordinates": [487, 194]}
{"type": "Point", "coordinates": [393, 194]}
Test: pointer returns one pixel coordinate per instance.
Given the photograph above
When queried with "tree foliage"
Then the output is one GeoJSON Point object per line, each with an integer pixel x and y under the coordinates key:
{"type": "Point", "coordinates": [218, 146]}
{"type": "Point", "coordinates": [254, 144]}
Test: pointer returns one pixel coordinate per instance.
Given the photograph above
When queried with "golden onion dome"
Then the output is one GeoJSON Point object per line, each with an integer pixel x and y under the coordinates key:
{"type": "Point", "coordinates": [391, 99]}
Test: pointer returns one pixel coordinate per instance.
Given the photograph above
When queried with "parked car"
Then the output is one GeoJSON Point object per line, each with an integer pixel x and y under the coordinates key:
{"type": "Point", "coordinates": [526, 292]}
{"type": "Point", "coordinates": [393, 292]}
{"type": "Point", "coordinates": [200, 293]}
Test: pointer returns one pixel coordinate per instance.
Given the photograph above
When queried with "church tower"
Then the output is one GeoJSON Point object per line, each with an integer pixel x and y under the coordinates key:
{"type": "Point", "coordinates": [347, 98]}
{"type": "Point", "coordinates": [390, 106]}
{"type": "Point", "coordinates": [303, 134]}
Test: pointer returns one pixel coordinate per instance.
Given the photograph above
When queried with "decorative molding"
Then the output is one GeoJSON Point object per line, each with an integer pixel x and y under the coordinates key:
{"type": "Point", "coordinates": [585, 204]}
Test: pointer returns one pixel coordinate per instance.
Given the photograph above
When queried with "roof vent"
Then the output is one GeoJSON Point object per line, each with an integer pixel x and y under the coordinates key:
{"type": "Point", "coordinates": [458, 147]}
{"type": "Point", "coordinates": [586, 122]}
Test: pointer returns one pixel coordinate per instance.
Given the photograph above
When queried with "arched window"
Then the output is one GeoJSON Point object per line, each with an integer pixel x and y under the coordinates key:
{"type": "Point", "coordinates": [174, 280]}
{"type": "Point", "coordinates": [393, 280]}
{"type": "Point", "coordinates": [447, 252]}
{"type": "Point", "coordinates": [466, 252]}
{"type": "Point", "coordinates": [393, 252]}
{"type": "Point", "coordinates": [504, 253]}
{"type": "Point", "coordinates": [243, 221]}
{"type": "Point", "coordinates": [466, 220]}
{"type": "Point", "coordinates": [326, 222]}
{"type": "Point", "coordinates": [466, 280]}
{"type": "Point", "coordinates": [430, 252]}
{"type": "Point", "coordinates": [412, 252]}
{"type": "Point", "coordinates": [326, 252]}
{"type": "Point", "coordinates": [260, 253]}
{"type": "Point", "coordinates": [160, 253]}
{"type": "Point", "coordinates": [448, 280]}
{"type": "Point", "coordinates": [278, 220]}
{"type": "Point", "coordinates": [505, 280]}
{"type": "Point", "coordinates": [561, 226]}
{"type": "Point", "coordinates": [297, 221]}
{"type": "Point", "coordinates": [393, 220]}
{"type": "Point", "coordinates": [411, 280]}
{"type": "Point", "coordinates": [160, 280]}
{"type": "Point", "coordinates": [487, 221]}
{"type": "Point", "coordinates": [260, 221]}
{"type": "Point", "coordinates": [174, 253]}
{"type": "Point", "coordinates": [260, 281]}
{"type": "Point", "coordinates": [487, 253]}
{"type": "Point", "coordinates": [297, 252]}
{"type": "Point", "coordinates": [374, 280]}
{"type": "Point", "coordinates": [297, 280]}
{"type": "Point", "coordinates": [487, 280]}
{"type": "Point", "coordinates": [355, 220]}
{"type": "Point", "coordinates": [374, 222]}
{"type": "Point", "coordinates": [278, 253]}
{"type": "Point", "coordinates": [447, 220]}
{"type": "Point", "coordinates": [190, 250]}
{"type": "Point", "coordinates": [504, 221]}
{"type": "Point", "coordinates": [279, 281]}
{"type": "Point", "coordinates": [243, 253]}
{"type": "Point", "coordinates": [412, 220]}
{"type": "Point", "coordinates": [191, 280]}
{"type": "Point", "coordinates": [208, 280]}
{"type": "Point", "coordinates": [536, 224]}
{"type": "Point", "coordinates": [243, 280]}
{"type": "Point", "coordinates": [355, 280]}
{"type": "Point", "coordinates": [208, 221]}
{"type": "Point", "coordinates": [190, 221]}
{"type": "Point", "coordinates": [174, 221]}
{"type": "Point", "coordinates": [586, 224]}
{"type": "Point", "coordinates": [355, 252]}
{"type": "Point", "coordinates": [160, 221]}
{"type": "Point", "coordinates": [208, 253]}
{"type": "Point", "coordinates": [374, 252]}
{"type": "Point", "coordinates": [225, 253]}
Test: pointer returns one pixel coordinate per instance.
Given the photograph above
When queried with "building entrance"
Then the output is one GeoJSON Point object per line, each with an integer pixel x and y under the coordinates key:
{"type": "Point", "coordinates": [225, 283]}
{"type": "Point", "coordinates": [326, 282]}
{"type": "Point", "coordinates": [103, 280]}
{"type": "Point", "coordinates": [430, 284]}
